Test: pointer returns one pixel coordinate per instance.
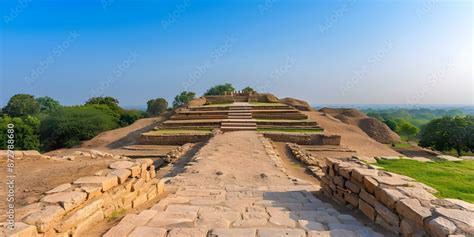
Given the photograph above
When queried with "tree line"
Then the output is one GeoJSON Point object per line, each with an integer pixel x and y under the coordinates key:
{"type": "Point", "coordinates": [44, 124]}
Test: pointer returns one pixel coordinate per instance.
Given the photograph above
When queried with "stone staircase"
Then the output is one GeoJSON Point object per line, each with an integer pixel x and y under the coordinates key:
{"type": "Point", "coordinates": [239, 118]}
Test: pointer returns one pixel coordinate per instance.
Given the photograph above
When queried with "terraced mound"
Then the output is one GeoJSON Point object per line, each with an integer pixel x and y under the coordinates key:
{"type": "Point", "coordinates": [371, 126]}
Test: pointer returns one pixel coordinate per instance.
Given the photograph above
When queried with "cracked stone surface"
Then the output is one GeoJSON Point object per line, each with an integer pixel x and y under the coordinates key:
{"type": "Point", "coordinates": [239, 202]}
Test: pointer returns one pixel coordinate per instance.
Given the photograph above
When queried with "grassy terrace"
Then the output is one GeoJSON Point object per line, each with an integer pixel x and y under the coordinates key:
{"type": "Point", "coordinates": [451, 179]}
{"type": "Point", "coordinates": [178, 131]}
{"type": "Point", "coordinates": [291, 130]}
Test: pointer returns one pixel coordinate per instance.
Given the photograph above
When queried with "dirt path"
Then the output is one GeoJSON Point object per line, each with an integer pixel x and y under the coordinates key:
{"type": "Point", "coordinates": [352, 136]}
{"type": "Point", "coordinates": [122, 136]}
{"type": "Point", "coordinates": [236, 186]}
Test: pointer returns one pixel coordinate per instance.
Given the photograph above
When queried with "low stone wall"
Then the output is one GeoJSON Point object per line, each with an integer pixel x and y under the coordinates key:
{"type": "Point", "coordinates": [174, 139]}
{"type": "Point", "coordinates": [304, 139]}
{"type": "Point", "coordinates": [396, 202]}
{"type": "Point", "coordinates": [72, 208]}
{"type": "Point", "coordinates": [176, 153]}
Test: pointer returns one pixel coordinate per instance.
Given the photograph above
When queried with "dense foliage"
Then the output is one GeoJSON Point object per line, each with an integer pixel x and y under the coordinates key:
{"type": "Point", "coordinates": [156, 106]}
{"type": "Point", "coordinates": [220, 89]}
{"type": "Point", "coordinates": [47, 104]}
{"type": "Point", "coordinates": [70, 125]}
{"type": "Point", "coordinates": [21, 104]}
{"type": "Point", "coordinates": [449, 132]}
{"type": "Point", "coordinates": [183, 98]}
{"type": "Point", "coordinates": [248, 89]}
{"type": "Point", "coordinates": [25, 132]}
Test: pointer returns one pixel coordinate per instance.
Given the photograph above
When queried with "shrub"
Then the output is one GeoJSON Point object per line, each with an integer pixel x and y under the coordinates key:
{"type": "Point", "coordinates": [130, 116]}
{"type": "Point", "coordinates": [70, 125]}
{"type": "Point", "coordinates": [248, 89]}
{"type": "Point", "coordinates": [183, 98]}
{"type": "Point", "coordinates": [47, 104]}
{"type": "Point", "coordinates": [25, 135]}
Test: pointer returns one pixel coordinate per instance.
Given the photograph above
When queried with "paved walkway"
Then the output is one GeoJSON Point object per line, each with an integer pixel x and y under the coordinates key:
{"type": "Point", "coordinates": [236, 186]}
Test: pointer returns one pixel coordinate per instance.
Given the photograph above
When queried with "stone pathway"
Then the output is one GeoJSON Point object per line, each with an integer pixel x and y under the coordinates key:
{"type": "Point", "coordinates": [237, 186]}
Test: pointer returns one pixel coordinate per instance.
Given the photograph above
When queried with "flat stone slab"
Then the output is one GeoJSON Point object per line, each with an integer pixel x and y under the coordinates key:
{"type": "Point", "coordinates": [60, 188]}
{"type": "Point", "coordinates": [121, 165]}
{"type": "Point", "coordinates": [233, 232]}
{"type": "Point", "coordinates": [143, 231]}
{"type": "Point", "coordinates": [105, 182]}
{"type": "Point", "coordinates": [68, 200]}
{"type": "Point", "coordinates": [188, 232]}
{"type": "Point", "coordinates": [274, 232]}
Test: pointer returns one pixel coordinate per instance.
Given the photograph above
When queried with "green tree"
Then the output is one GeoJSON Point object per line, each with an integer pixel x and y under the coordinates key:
{"type": "Point", "coordinates": [68, 126]}
{"type": "Point", "coordinates": [405, 128]}
{"type": "Point", "coordinates": [248, 89]}
{"type": "Point", "coordinates": [25, 128]}
{"type": "Point", "coordinates": [220, 89]}
{"type": "Point", "coordinates": [183, 98]}
{"type": "Point", "coordinates": [21, 104]}
{"type": "Point", "coordinates": [448, 133]}
{"type": "Point", "coordinates": [110, 102]}
{"type": "Point", "coordinates": [391, 124]}
{"type": "Point", "coordinates": [47, 104]}
{"type": "Point", "coordinates": [156, 106]}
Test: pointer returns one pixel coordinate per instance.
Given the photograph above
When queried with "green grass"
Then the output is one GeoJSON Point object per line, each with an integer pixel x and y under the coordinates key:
{"type": "Point", "coordinates": [116, 214]}
{"type": "Point", "coordinates": [179, 131]}
{"type": "Point", "coordinates": [290, 130]}
{"type": "Point", "coordinates": [402, 145]}
{"type": "Point", "coordinates": [266, 104]}
{"type": "Point", "coordinates": [451, 179]}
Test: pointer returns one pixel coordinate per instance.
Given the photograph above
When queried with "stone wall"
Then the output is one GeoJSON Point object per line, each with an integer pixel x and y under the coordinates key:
{"type": "Point", "coordinates": [396, 202]}
{"type": "Point", "coordinates": [72, 208]}
{"type": "Point", "coordinates": [173, 139]}
{"type": "Point", "coordinates": [304, 139]}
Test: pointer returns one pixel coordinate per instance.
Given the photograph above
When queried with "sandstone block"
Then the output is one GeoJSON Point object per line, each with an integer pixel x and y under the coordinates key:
{"type": "Point", "coordinates": [390, 217]}
{"type": "Point", "coordinates": [370, 199]}
{"type": "Point", "coordinates": [465, 217]}
{"type": "Point", "coordinates": [188, 232]}
{"type": "Point", "coordinates": [122, 174]}
{"type": "Point", "coordinates": [120, 230]}
{"type": "Point", "coordinates": [68, 200]}
{"type": "Point", "coordinates": [380, 221]}
{"type": "Point", "coordinates": [417, 193]}
{"type": "Point", "coordinates": [92, 191]}
{"type": "Point", "coordinates": [352, 199]}
{"type": "Point", "coordinates": [173, 220]}
{"type": "Point", "coordinates": [370, 184]}
{"type": "Point", "coordinates": [60, 188]}
{"type": "Point", "coordinates": [139, 200]}
{"type": "Point", "coordinates": [135, 169]}
{"type": "Point", "coordinates": [311, 225]}
{"type": "Point", "coordinates": [84, 227]}
{"type": "Point", "coordinates": [272, 232]}
{"type": "Point", "coordinates": [282, 219]}
{"type": "Point", "coordinates": [391, 181]}
{"type": "Point", "coordinates": [121, 165]}
{"type": "Point", "coordinates": [388, 197]}
{"type": "Point", "coordinates": [240, 232]}
{"type": "Point", "coordinates": [143, 231]}
{"type": "Point", "coordinates": [412, 209]}
{"type": "Point", "coordinates": [368, 210]}
{"type": "Point", "coordinates": [23, 230]}
{"type": "Point", "coordinates": [339, 180]}
{"type": "Point", "coordinates": [358, 174]}
{"type": "Point", "coordinates": [45, 218]}
{"type": "Point", "coordinates": [105, 182]}
{"type": "Point", "coordinates": [441, 227]}
{"type": "Point", "coordinates": [355, 188]}
{"type": "Point", "coordinates": [80, 215]}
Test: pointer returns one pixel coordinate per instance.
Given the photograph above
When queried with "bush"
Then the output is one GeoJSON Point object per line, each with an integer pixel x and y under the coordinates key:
{"type": "Point", "coordinates": [130, 116]}
{"type": "Point", "coordinates": [157, 106]}
{"type": "Point", "coordinates": [183, 98]}
{"type": "Point", "coordinates": [248, 89]}
{"type": "Point", "coordinates": [220, 89]}
{"type": "Point", "coordinates": [47, 104]}
{"type": "Point", "coordinates": [69, 126]}
{"type": "Point", "coordinates": [21, 104]}
{"type": "Point", "coordinates": [26, 132]}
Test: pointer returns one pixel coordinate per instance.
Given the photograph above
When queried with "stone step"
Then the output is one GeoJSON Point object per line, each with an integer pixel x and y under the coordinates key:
{"type": "Point", "coordinates": [238, 128]}
{"type": "Point", "coordinates": [239, 117]}
{"type": "Point", "coordinates": [238, 124]}
{"type": "Point", "coordinates": [240, 108]}
{"type": "Point", "coordinates": [240, 113]}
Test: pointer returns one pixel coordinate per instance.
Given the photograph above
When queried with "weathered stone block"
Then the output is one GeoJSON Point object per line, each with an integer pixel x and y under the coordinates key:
{"type": "Point", "coordinates": [441, 227]}
{"type": "Point", "coordinates": [355, 188]}
{"type": "Point", "coordinates": [68, 200]}
{"type": "Point", "coordinates": [83, 228]}
{"type": "Point", "coordinates": [358, 174]}
{"type": "Point", "coordinates": [272, 232]}
{"type": "Point", "coordinates": [352, 199]}
{"type": "Point", "coordinates": [388, 216]}
{"type": "Point", "coordinates": [188, 232]}
{"type": "Point", "coordinates": [370, 199]}
{"type": "Point", "coordinates": [463, 216]}
{"type": "Point", "coordinates": [121, 165]}
{"type": "Point", "coordinates": [45, 218]}
{"type": "Point", "coordinates": [139, 200]}
{"type": "Point", "coordinates": [339, 180]}
{"type": "Point", "coordinates": [122, 174]}
{"type": "Point", "coordinates": [368, 210]}
{"type": "Point", "coordinates": [79, 216]}
{"type": "Point", "coordinates": [370, 184]}
{"type": "Point", "coordinates": [412, 209]}
{"type": "Point", "coordinates": [388, 197]}
{"type": "Point", "coordinates": [143, 231]}
{"type": "Point", "coordinates": [105, 182]}
{"type": "Point", "coordinates": [60, 188]}
{"type": "Point", "coordinates": [92, 191]}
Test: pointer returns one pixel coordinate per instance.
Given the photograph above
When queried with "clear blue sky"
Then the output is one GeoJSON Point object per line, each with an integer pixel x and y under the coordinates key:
{"type": "Point", "coordinates": [417, 52]}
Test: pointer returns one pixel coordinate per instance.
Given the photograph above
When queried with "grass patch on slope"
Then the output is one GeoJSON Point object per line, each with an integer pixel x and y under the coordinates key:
{"type": "Point", "coordinates": [451, 179]}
